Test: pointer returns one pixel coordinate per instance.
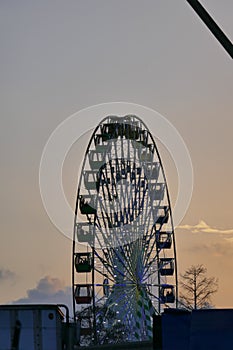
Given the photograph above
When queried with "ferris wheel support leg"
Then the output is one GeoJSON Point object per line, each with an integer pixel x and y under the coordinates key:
{"type": "Point", "coordinates": [93, 299]}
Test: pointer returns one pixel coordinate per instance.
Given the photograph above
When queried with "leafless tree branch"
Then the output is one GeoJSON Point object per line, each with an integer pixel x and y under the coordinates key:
{"type": "Point", "coordinates": [197, 288]}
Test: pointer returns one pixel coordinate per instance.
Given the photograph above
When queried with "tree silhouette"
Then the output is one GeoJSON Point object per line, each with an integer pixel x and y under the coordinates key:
{"type": "Point", "coordinates": [197, 288]}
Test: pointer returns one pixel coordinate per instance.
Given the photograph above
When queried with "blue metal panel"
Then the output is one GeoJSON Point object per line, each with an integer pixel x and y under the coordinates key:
{"type": "Point", "coordinates": [5, 335]}
{"type": "Point", "coordinates": [51, 331]}
{"type": "Point", "coordinates": [175, 329]}
{"type": "Point", "coordinates": [201, 329]}
{"type": "Point", "coordinates": [211, 329]}
{"type": "Point", "coordinates": [26, 334]}
{"type": "Point", "coordinates": [48, 319]}
{"type": "Point", "coordinates": [32, 327]}
{"type": "Point", "coordinates": [49, 341]}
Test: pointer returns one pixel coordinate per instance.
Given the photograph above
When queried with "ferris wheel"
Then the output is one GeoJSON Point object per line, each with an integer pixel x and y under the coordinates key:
{"type": "Point", "coordinates": [125, 270]}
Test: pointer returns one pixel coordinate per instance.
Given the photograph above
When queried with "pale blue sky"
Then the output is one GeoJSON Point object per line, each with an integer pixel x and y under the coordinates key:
{"type": "Point", "coordinates": [59, 57]}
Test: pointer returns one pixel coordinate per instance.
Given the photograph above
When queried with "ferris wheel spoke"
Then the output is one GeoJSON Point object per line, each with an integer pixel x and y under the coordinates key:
{"type": "Point", "coordinates": [150, 249]}
{"type": "Point", "coordinates": [111, 266]}
{"type": "Point", "coordinates": [119, 300]}
{"type": "Point", "coordinates": [101, 242]}
{"type": "Point", "coordinates": [148, 274]}
{"type": "Point", "coordinates": [125, 263]}
{"type": "Point", "coordinates": [106, 265]}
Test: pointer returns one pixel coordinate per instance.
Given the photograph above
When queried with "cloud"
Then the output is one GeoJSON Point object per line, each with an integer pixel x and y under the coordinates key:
{"type": "Point", "coordinates": [6, 274]}
{"type": "Point", "coordinates": [49, 290]}
{"type": "Point", "coordinates": [202, 226]}
{"type": "Point", "coordinates": [216, 249]}
{"type": "Point", "coordinates": [220, 244]}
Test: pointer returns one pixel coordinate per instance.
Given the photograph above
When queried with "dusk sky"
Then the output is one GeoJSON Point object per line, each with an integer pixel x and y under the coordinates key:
{"type": "Point", "coordinates": [58, 57]}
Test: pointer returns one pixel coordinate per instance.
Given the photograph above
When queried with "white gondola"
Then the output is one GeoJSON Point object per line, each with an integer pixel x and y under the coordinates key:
{"type": "Point", "coordinates": [102, 148]}
{"type": "Point", "coordinates": [129, 119]}
{"type": "Point", "coordinates": [131, 129]}
{"type": "Point", "coordinates": [83, 294]}
{"type": "Point", "coordinates": [114, 118]}
{"type": "Point", "coordinates": [143, 137]}
{"type": "Point", "coordinates": [87, 204]}
{"type": "Point", "coordinates": [162, 215]}
{"type": "Point", "coordinates": [99, 139]}
{"type": "Point", "coordinates": [167, 294]}
{"type": "Point", "coordinates": [85, 232]}
{"type": "Point", "coordinates": [146, 155]}
{"type": "Point", "coordinates": [157, 191]}
{"type": "Point", "coordinates": [138, 145]}
{"type": "Point", "coordinates": [163, 240]}
{"type": "Point", "coordinates": [112, 130]}
{"type": "Point", "coordinates": [96, 159]}
{"type": "Point", "coordinates": [83, 262]}
{"type": "Point", "coordinates": [90, 179]}
{"type": "Point", "coordinates": [166, 266]}
{"type": "Point", "coordinates": [152, 170]}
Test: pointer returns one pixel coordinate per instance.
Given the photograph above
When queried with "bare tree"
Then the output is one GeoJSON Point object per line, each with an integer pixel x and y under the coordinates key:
{"type": "Point", "coordinates": [197, 288]}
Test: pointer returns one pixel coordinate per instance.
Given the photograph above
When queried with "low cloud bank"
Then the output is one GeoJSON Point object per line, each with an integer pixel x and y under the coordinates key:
{"type": "Point", "coordinates": [49, 290]}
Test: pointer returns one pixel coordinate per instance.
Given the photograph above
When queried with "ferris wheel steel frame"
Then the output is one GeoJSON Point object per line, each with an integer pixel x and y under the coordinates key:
{"type": "Point", "coordinates": [123, 196]}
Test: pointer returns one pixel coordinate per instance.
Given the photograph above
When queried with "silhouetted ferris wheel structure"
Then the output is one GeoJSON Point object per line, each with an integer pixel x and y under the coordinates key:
{"type": "Point", "coordinates": [126, 269]}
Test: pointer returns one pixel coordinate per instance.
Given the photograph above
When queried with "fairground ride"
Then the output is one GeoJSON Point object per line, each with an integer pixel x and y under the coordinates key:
{"type": "Point", "coordinates": [125, 270]}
